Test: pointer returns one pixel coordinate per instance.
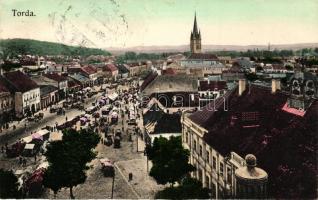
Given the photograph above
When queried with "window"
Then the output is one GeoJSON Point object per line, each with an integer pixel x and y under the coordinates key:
{"type": "Point", "coordinates": [214, 162]}
{"type": "Point", "coordinates": [213, 192]}
{"type": "Point", "coordinates": [200, 152]}
{"type": "Point", "coordinates": [207, 156]}
{"type": "Point", "coordinates": [194, 145]}
{"type": "Point", "coordinates": [229, 175]}
{"type": "Point", "coordinates": [186, 137]}
{"type": "Point", "coordinates": [221, 169]}
{"type": "Point", "coordinates": [207, 182]}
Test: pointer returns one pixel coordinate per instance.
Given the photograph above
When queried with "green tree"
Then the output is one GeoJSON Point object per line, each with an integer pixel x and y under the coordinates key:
{"type": "Point", "coordinates": [189, 188]}
{"type": "Point", "coordinates": [170, 160]}
{"type": "Point", "coordinates": [68, 159]}
{"type": "Point", "coordinates": [9, 185]}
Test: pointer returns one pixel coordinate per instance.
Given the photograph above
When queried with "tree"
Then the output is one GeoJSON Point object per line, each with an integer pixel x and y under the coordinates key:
{"type": "Point", "coordinates": [190, 188]}
{"type": "Point", "coordinates": [9, 185]}
{"type": "Point", "coordinates": [170, 160]}
{"type": "Point", "coordinates": [68, 159]}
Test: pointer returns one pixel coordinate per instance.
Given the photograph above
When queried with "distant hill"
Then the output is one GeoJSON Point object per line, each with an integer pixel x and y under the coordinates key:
{"type": "Point", "coordinates": [36, 47]}
{"type": "Point", "coordinates": [211, 48]}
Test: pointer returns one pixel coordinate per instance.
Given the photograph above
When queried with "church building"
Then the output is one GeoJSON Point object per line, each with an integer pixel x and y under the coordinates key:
{"type": "Point", "coordinates": [195, 38]}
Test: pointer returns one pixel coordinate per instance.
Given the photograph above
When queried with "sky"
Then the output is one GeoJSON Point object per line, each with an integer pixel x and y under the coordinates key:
{"type": "Point", "coordinates": [128, 23]}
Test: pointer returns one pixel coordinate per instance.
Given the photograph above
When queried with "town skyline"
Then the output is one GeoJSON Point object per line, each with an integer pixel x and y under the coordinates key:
{"type": "Point", "coordinates": [108, 24]}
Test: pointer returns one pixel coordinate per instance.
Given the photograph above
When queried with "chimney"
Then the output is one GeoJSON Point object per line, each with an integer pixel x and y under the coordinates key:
{"type": "Point", "coordinates": [242, 86]}
{"type": "Point", "coordinates": [275, 85]}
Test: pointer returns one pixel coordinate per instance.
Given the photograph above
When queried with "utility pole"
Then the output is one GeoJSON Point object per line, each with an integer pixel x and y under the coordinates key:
{"type": "Point", "coordinates": [112, 195]}
{"type": "Point", "coordinates": [137, 141]}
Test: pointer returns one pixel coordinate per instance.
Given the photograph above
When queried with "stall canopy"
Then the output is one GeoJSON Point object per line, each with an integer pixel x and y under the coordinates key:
{"type": "Point", "coordinates": [84, 119]}
{"type": "Point", "coordinates": [90, 108]}
{"type": "Point", "coordinates": [55, 136]}
{"type": "Point", "coordinates": [106, 162]}
{"type": "Point", "coordinates": [37, 136]}
{"type": "Point", "coordinates": [43, 132]}
{"type": "Point", "coordinates": [29, 146]}
{"type": "Point", "coordinates": [113, 96]}
{"type": "Point", "coordinates": [27, 139]}
{"type": "Point", "coordinates": [114, 114]}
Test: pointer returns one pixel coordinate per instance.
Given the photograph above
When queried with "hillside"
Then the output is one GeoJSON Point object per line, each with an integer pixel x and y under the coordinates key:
{"type": "Point", "coordinates": [35, 47]}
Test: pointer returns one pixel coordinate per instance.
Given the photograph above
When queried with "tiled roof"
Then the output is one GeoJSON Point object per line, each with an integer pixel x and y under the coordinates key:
{"type": "Point", "coordinates": [212, 85]}
{"type": "Point", "coordinates": [162, 122]}
{"type": "Point", "coordinates": [73, 70]}
{"type": "Point", "coordinates": [55, 77]}
{"type": "Point", "coordinates": [172, 83]}
{"type": "Point", "coordinates": [20, 81]}
{"type": "Point", "coordinates": [3, 86]}
{"type": "Point", "coordinates": [202, 56]}
{"type": "Point", "coordinates": [122, 69]}
{"type": "Point", "coordinates": [285, 144]}
{"type": "Point", "coordinates": [89, 70]}
{"type": "Point", "coordinates": [176, 99]}
{"type": "Point", "coordinates": [47, 89]}
{"type": "Point", "coordinates": [169, 71]}
{"type": "Point", "coordinates": [150, 77]}
{"type": "Point", "coordinates": [110, 67]}
{"type": "Point", "coordinates": [72, 83]}
{"type": "Point", "coordinates": [80, 78]}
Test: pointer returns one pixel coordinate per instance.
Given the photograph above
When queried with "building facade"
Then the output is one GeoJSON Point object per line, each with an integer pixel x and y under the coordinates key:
{"type": "Point", "coordinates": [214, 170]}
{"type": "Point", "coordinates": [27, 93]}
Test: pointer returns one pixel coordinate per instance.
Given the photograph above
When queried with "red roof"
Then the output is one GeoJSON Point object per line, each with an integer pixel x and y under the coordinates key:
{"type": "Point", "coordinates": [212, 85]}
{"type": "Point", "coordinates": [55, 77]}
{"type": "Point", "coordinates": [169, 71]}
{"type": "Point", "coordinates": [202, 56]}
{"type": "Point", "coordinates": [20, 81]}
{"type": "Point", "coordinates": [72, 84]}
{"type": "Point", "coordinates": [89, 70]}
{"type": "Point", "coordinates": [110, 67]}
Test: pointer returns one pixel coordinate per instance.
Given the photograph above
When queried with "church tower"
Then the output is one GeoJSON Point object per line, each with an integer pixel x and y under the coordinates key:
{"type": "Point", "coordinates": [195, 38]}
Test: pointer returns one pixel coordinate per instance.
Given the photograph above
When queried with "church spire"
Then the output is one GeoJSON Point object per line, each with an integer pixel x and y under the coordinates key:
{"type": "Point", "coordinates": [195, 38]}
{"type": "Point", "coordinates": [195, 26]}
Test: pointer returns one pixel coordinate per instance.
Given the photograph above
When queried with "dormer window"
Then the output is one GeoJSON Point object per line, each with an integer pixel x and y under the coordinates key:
{"type": "Point", "coordinates": [296, 88]}
{"type": "Point", "coordinates": [310, 88]}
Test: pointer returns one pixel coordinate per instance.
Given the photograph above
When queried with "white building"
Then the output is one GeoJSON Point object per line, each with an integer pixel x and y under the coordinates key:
{"type": "Point", "coordinates": [27, 92]}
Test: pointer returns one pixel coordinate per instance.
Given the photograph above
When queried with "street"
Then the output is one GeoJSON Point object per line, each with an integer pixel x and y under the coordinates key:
{"type": "Point", "coordinates": [126, 159]}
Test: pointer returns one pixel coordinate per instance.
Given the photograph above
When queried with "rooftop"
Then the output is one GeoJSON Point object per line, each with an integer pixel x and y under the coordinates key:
{"type": "Point", "coordinates": [55, 77]}
{"type": "Point", "coordinates": [284, 143]}
{"type": "Point", "coordinates": [158, 121]}
{"type": "Point", "coordinates": [111, 67]}
{"type": "Point", "coordinates": [172, 83]}
{"type": "Point", "coordinates": [3, 86]}
{"type": "Point", "coordinates": [20, 82]}
{"type": "Point", "coordinates": [47, 89]}
{"type": "Point", "coordinates": [212, 85]}
{"type": "Point", "coordinates": [89, 70]}
{"type": "Point", "coordinates": [202, 56]}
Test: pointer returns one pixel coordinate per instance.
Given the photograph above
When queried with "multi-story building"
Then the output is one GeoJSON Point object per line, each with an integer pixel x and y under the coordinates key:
{"type": "Point", "coordinates": [60, 83]}
{"type": "Point", "coordinates": [6, 102]}
{"type": "Point", "coordinates": [278, 127]}
{"type": "Point", "coordinates": [27, 92]}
